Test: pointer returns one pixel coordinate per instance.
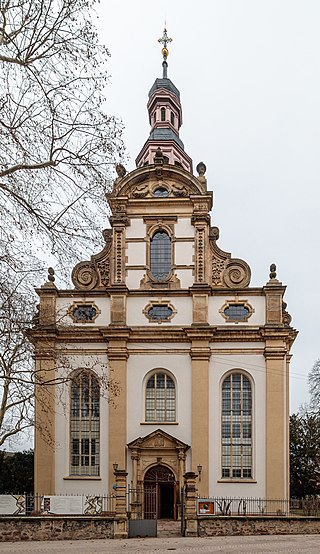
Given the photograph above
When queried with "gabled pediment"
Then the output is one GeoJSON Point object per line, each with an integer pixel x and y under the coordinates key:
{"type": "Point", "coordinates": [157, 439]}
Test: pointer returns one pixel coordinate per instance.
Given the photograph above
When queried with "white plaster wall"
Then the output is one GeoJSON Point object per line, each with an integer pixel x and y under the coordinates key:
{"type": "Point", "coordinates": [133, 278]}
{"type": "Point", "coordinates": [103, 304]}
{"type": "Point", "coordinates": [139, 365]}
{"type": "Point", "coordinates": [136, 253]}
{"type": "Point", "coordinates": [184, 252]}
{"type": "Point", "coordinates": [186, 277]}
{"type": "Point", "coordinates": [184, 228]}
{"type": "Point", "coordinates": [254, 365]}
{"type": "Point", "coordinates": [136, 228]}
{"type": "Point", "coordinates": [136, 305]}
{"type": "Point", "coordinates": [216, 303]}
{"type": "Point", "coordinates": [62, 446]}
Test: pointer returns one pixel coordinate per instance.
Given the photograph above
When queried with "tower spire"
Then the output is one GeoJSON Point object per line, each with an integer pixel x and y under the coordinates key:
{"type": "Point", "coordinates": [165, 117]}
{"type": "Point", "coordinates": [164, 40]}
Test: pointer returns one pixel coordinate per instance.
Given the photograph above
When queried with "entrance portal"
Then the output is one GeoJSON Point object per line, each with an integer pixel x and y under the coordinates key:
{"type": "Point", "coordinates": [161, 480]}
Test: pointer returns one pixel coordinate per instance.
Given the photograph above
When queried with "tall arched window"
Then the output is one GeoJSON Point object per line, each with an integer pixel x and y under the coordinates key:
{"type": "Point", "coordinates": [163, 114]}
{"type": "Point", "coordinates": [160, 255]}
{"type": "Point", "coordinates": [85, 424]}
{"type": "Point", "coordinates": [236, 427]}
{"type": "Point", "coordinates": [160, 398]}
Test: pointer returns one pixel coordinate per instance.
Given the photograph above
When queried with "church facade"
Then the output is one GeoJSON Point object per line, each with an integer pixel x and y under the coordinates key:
{"type": "Point", "coordinates": [162, 359]}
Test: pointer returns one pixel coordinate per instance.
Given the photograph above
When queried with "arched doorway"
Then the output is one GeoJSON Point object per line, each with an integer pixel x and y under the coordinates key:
{"type": "Point", "coordinates": [160, 481]}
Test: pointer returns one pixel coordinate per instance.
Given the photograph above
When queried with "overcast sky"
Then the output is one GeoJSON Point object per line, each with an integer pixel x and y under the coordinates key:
{"type": "Point", "coordinates": [248, 74]}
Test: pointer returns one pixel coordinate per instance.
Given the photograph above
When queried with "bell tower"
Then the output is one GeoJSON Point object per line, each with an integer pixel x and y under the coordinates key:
{"type": "Point", "coordinates": [165, 118]}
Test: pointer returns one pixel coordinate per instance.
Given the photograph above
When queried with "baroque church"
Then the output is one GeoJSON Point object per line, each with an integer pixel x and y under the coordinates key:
{"type": "Point", "coordinates": [164, 359]}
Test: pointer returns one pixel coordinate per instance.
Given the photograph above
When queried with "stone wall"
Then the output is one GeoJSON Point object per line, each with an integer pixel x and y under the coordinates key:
{"type": "Point", "coordinates": [260, 525]}
{"type": "Point", "coordinates": [16, 528]}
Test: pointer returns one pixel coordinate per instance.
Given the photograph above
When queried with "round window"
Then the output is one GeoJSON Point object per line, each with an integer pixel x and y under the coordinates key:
{"type": "Point", "coordinates": [161, 192]}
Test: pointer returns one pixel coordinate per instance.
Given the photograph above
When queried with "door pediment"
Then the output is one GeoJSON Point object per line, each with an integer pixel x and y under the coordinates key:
{"type": "Point", "coordinates": [158, 439]}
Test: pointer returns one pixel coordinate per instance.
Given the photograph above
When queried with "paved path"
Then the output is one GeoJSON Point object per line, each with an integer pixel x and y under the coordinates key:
{"type": "Point", "coordinates": [278, 544]}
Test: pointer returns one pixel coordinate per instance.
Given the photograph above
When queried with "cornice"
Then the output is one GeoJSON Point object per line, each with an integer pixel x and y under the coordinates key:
{"type": "Point", "coordinates": [107, 291]}
{"type": "Point", "coordinates": [166, 334]}
{"type": "Point", "coordinates": [149, 173]}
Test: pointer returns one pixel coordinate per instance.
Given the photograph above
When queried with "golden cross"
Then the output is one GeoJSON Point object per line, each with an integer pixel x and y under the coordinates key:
{"type": "Point", "coordinates": [164, 40]}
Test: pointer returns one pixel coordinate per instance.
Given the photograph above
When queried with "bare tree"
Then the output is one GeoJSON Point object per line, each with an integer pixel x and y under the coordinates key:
{"type": "Point", "coordinates": [16, 367]}
{"type": "Point", "coordinates": [56, 142]}
{"type": "Point", "coordinates": [20, 382]}
{"type": "Point", "coordinates": [57, 146]}
{"type": "Point", "coordinates": [314, 386]}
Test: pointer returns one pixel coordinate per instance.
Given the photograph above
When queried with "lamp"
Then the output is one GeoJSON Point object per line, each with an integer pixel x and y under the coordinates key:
{"type": "Point", "coordinates": [115, 467]}
{"type": "Point", "coordinates": [199, 468]}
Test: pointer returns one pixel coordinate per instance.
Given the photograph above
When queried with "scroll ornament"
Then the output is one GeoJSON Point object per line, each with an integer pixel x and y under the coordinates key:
{"type": "Point", "coordinates": [84, 276]}
{"type": "Point", "coordinates": [226, 271]}
{"type": "Point", "coordinates": [88, 275]}
{"type": "Point", "coordinates": [237, 274]}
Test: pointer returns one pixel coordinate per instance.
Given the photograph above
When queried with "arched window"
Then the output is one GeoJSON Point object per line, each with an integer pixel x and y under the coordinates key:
{"type": "Point", "coordinates": [85, 424]}
{"type": "Point", "coordinates": [160, 255]}
{"type": "Point", "coordinates": [172, 118]}
{"type": "Point", "coordinates": [160, 398]}
{"type": "Point", "coordinates": [163, 114]}
{"type": "Point", "coordinates": [236, 427]}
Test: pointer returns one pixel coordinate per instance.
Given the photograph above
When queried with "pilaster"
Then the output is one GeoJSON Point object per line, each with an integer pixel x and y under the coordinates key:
{"type": "Point", "coordinates": [117, 434]}
{"type": "Point", "coordinates": [44, 336]}
{"type": "Point", "coordinates": [276, 408]}
{"type": "Point", "coordinates": [200, 356]}
{"type": "Point", "coordinates": [201, 221]}
{"type": "Point", "coordinates": [44, 440]}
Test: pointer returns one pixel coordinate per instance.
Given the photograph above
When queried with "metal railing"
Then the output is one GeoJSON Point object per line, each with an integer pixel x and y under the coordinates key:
{"type": "Point", "coordinates": [227, 506]}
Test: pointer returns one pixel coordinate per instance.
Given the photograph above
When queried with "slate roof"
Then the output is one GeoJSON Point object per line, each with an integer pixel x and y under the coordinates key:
{"type": "Point", "coordinates": [165, 134]}
{"type": "Point", "coordinates": [164, 83]}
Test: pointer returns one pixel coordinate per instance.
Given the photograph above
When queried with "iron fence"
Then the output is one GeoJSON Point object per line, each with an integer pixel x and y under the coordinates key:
{"type": "Point", "coordinates": [227, 506]}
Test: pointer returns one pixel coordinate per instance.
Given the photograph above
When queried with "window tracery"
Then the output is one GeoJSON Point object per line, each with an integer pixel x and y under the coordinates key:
{"type": "Point", "coordinates": [85, 424]}
{"type": "Point", "coordinates": [236, 427]}
{"type": "Point", "coordinates": [160, 398]}
{"type": "Point", "coordinates": [160, 255]}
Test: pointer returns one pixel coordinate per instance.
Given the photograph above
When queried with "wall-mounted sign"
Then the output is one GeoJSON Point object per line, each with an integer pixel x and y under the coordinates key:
{"type": "Point", "coordinates": [205, 507]}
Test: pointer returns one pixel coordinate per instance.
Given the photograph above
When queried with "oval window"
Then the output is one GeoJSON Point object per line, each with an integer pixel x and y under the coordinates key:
{"type": "Point", "coordinates": [158, 312]}
{"type": "Point", "coordinates": [161, 192]}
{"type": "Point", "coordinates": [84, 312]}
{"type": "Point", "coordinates": [237, 312]}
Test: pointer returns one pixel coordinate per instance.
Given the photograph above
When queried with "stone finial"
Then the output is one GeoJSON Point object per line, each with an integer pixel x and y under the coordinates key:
{"type": "Point", "coordinates": [273, 271]}
{"type": "Point", "coordinates": [121, 170]}
{"type": "Point", "coordinates": [51, 276]}
{"type": "Point", "coordinates": [201, 168]}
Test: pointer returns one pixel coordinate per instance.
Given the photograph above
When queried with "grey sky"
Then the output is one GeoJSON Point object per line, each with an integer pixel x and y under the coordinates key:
{"type": "Point", "coordinates": [248, 74]}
